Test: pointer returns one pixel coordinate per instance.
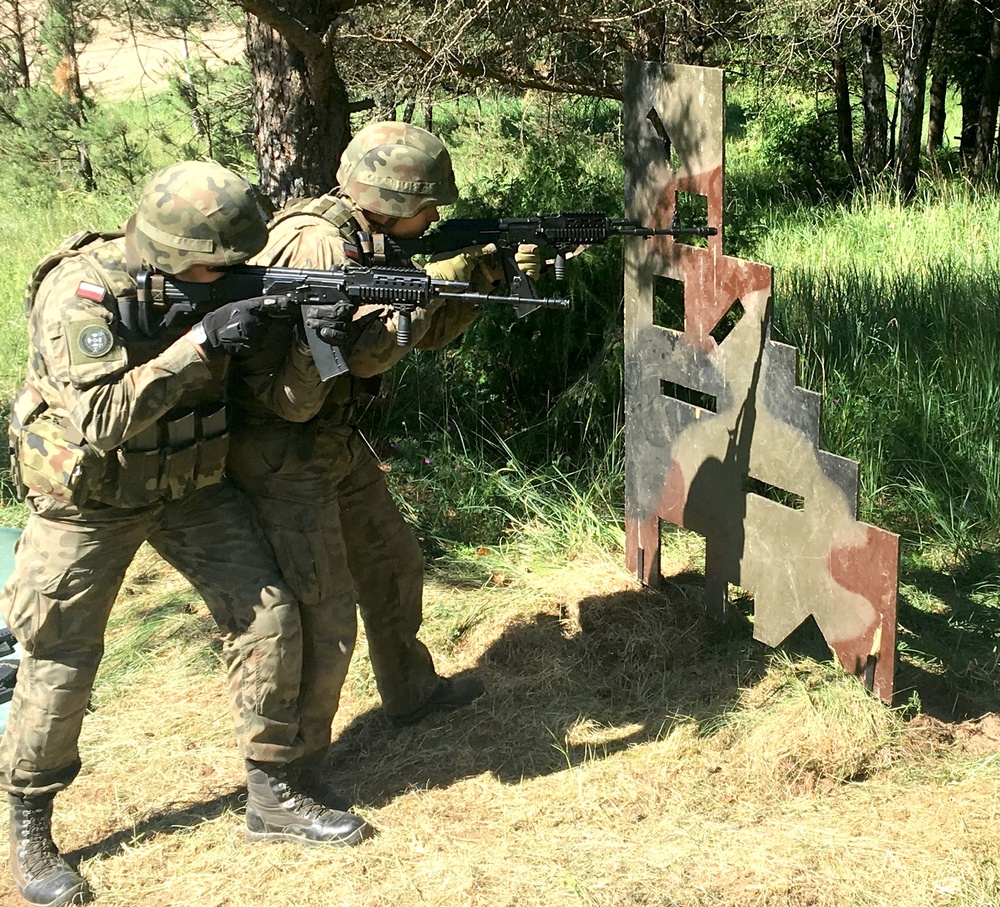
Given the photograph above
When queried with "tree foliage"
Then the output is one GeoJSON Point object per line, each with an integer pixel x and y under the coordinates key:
{"type": "Point", "coordinates": [345, 55]}
{"type": "Point", "coordinates": [569, 48]}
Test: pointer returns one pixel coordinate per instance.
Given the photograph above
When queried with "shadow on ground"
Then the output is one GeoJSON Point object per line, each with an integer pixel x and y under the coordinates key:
{"type": "Point", "coordinates": [622, 669]}
{"type": "Point", "coordinates": [169, 820]}
{"type": "Point", "coordinates": [634, 663]}
{"type": "Point", "coordinates": [949, 630]}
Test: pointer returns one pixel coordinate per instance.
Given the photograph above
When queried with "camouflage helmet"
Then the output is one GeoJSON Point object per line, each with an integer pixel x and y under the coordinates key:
{"type": "Point", "coordinates": [198, 213]}
{"type": "Point", "coordinates": [397, 170]}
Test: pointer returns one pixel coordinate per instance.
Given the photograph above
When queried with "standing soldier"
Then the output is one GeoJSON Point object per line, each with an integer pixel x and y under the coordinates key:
{"type": "Point", "coordinates": [317, 487]}
{"type": "Point", "coordinates": [120, 436]}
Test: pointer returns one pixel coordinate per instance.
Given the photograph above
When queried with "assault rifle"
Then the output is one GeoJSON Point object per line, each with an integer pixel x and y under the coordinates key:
{"type": "Point", "coordinates": [563, 232]}
{"type": "Point", "coordinates": [286, 290]}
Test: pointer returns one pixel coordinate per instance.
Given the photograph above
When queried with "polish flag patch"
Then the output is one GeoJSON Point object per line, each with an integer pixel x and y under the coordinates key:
{"type": "Point", "coordinates": [90, 291]}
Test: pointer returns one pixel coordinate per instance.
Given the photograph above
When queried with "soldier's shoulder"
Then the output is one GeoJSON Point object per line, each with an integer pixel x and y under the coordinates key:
{"type": "Point", "coordinates": [317, 246]}
{"type": "Point", "coordinates": [66, 276]}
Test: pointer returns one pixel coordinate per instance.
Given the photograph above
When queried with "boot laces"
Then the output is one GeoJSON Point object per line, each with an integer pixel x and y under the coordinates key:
{"type": "Point", "coordinates": [300, 803]}
{"type": "Point", "coordinates": [40, 854]}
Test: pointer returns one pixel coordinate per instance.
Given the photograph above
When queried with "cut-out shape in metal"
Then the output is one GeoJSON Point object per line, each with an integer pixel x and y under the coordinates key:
{"type": "Point", "coordinates": [720, 439]}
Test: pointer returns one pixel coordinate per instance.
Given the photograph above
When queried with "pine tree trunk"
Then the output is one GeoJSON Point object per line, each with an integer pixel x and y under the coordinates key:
{"type": "Point", "coordinates": [912, 88]}
{"type": "Point", "coordinates": [845, 125]}
{"type": "Point", "coordinates": [694, 41]}
{"type": "Point", "coordinates": [936, 112]}
{"type": "Point", "coordinates": [972, 97]}
{"type": "Point", "coordinates": [301, 118]}
{"type": "Point", "coordinates": [650, 37]}
{"type": "Point", "coordinates": [988, 102]}
{"type": "Point", "coordinates": [17, 28]}
{"type": "Point", "coordinates": [874, 151]}
{"type": "Point", "coordinates": [193, 101]}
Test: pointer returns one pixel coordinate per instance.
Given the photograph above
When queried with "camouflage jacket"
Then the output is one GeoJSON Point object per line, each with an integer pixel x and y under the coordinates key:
{"type": "Point", "coordinates": [90, 388]}
{"type": "Point", "coordinates": [311, 233]}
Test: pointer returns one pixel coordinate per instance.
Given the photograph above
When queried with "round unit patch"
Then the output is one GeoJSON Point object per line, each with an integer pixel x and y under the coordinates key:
{"type": "Point", "coordinates": [96, 340]}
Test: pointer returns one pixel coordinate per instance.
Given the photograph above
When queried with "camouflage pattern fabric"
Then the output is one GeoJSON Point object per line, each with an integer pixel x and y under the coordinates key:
{"type": "Point", "coordinates": [99, 392]}
{"type": "Point", "coordinates": [83, 369]}
{"type": "Point", "coordinates": [340, 541]}
{"type": "Point", "coordinates": [309, 241]}
{"type": "Point", "coordinates": [69, 566]}
{"type": "Point", "coordinates": [198, 213]}
{"type": "Point", "coordinates": [339, 536]}
{"type": "Point", "coordinates": [397, 170]}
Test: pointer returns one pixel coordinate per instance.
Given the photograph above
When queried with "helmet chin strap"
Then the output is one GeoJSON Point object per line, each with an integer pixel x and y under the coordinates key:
{"type": "Point", "coordinates": [133, 261]}
{"type": "Point", "coordinates": [385, 224]}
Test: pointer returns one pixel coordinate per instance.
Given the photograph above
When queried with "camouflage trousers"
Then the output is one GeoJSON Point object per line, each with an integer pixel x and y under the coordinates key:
{"type": "Point", "coordinates": [340, 541]}
{"type": "Point", "coordinates": [68, 567]}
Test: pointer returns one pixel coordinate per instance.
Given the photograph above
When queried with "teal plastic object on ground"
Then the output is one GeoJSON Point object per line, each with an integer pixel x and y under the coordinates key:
{"type": "Point", "coordinates": [8, 536]}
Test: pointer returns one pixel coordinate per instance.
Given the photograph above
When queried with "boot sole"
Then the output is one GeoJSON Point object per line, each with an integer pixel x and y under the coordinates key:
{"type": "Point", "coordinates": [355, 837]}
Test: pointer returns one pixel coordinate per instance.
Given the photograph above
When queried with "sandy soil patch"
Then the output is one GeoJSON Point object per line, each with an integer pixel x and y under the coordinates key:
{"type": "Point", "coordinates": [122, 64]}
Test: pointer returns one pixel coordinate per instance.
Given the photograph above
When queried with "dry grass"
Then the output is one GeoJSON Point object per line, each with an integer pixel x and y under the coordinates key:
{"type": "Point", "coordinates": [627, 754]}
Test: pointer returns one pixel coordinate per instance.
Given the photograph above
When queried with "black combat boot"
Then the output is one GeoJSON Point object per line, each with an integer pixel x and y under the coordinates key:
{"type": "Point", "coordinates": [451, 693]}
{"type": "Point", "coordinates": [278, 811]}
{"type": "Point", "coordinates": [310, 776]}
{"type": "Point", "coordinates": [42, 877]}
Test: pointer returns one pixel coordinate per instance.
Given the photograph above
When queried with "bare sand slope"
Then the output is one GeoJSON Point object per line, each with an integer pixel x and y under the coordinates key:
{"type": "Point", "coordinates": [122, 64]}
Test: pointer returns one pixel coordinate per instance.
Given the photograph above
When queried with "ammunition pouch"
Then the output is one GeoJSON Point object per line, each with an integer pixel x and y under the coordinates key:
{"type": "Point", "coordinates": [45, 455]}
{"type": "Point", "coordinates": [181, 452]}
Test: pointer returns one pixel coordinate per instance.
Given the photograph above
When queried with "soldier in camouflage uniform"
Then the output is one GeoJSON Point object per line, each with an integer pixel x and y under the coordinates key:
{"type": "Point", "coordinates": [119, 436]}
{"type": "Point", "coordinates": [312, 480]}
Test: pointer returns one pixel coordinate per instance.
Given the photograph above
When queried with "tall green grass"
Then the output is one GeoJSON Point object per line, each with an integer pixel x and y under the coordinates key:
{"type": "Point", "coordinates": [894, 312]}
{"type": "Point", "coordinates": [31, 225]}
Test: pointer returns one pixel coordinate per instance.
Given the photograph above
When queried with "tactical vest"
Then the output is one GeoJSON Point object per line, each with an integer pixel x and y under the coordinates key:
{"type": "Point", "coordinates": [182, 451]}
{"type": "Point", "coordinates": [362, 247]}
{"type": "Point", "coordinates": [347, 391]}
{"type": "Point", "coordinates": [330, 208]}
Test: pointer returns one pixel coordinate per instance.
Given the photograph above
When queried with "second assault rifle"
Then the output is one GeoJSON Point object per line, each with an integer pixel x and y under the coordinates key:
{"type": "Point", "coordinates": [286, 290]}
{"type": "Point", "coordinates": [563, 232]}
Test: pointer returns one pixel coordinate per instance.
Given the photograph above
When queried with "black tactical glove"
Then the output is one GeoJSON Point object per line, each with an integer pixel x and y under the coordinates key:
{"type": "Point", "coordinates": [237, 328]}
{"type": "Point", "coordinates": [330, 320]}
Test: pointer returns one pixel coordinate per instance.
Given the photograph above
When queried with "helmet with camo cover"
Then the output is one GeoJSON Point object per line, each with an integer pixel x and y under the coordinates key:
{"type": "Point", "coordinates": [397, 170]}
{"type": "Point", "coordinates": [198, 213]}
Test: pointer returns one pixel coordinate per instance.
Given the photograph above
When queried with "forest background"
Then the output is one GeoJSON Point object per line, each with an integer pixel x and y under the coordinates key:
{"type": "Point", "coordinates": [630, 752]}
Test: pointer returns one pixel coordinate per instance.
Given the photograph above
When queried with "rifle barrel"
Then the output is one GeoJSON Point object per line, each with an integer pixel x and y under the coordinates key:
{"type": "Point", "coordinates": [540, 302]}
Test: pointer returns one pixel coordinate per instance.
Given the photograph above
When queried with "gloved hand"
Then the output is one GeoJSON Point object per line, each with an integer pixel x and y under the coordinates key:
{"type": "Point", "coordinates": [460, 267]}
{"type": "Point", "coordinates": [330, 320]}
{"type": "Point", "coordinates": [236, 328]}
{"type": "Point", "coordinates": [529, 259]}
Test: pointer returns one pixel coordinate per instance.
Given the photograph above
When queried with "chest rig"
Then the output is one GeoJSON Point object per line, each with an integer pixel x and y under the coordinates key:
{"type": "Point", "coordinates": [185, 449]}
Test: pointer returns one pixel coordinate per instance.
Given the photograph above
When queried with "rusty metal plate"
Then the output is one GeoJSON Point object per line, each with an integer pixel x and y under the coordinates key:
{"type": "Point", "coordinates": [720, 439]}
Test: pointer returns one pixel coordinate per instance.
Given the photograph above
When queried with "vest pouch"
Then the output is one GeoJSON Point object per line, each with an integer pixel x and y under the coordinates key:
{"type": "Point", "coordinates": [213, 444]}
{"type": "Point", "coordinates": [26, 406]}
{"type": "Point", "coordinates": [211, 460]}
{"type": "Point", "coordinates": [137, 481]}
{"type": "Point", "coordinates": [179, 471]}
{"type": "Point", "coordinates": [181, 452]}
{"type": "Point", "coordinates": [52, 465]}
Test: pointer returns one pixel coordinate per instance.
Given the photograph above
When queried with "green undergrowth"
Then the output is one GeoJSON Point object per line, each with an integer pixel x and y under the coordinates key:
{"type": "Point", "coordinates": [892, 310]}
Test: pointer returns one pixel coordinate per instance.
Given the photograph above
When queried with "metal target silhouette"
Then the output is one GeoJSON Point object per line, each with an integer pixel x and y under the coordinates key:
{"type": "Point", "coordinates": [720, 439]}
